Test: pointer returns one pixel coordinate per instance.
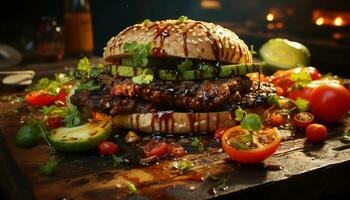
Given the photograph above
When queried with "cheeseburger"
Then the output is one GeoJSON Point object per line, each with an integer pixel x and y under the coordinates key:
{"type": "Point", "coordinates": [175, 76]}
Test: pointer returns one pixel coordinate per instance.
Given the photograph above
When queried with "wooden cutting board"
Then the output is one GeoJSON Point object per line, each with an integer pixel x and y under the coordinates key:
{"type": "Point", "coordinates": [308, 169]}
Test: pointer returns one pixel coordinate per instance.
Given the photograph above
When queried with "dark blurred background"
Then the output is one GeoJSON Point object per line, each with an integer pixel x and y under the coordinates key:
{"type": "Point", "coordinates": [322, 25]}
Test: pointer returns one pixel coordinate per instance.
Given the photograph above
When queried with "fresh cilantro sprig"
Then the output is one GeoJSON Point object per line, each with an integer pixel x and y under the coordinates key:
{"type": "Point", "coordinates": [249, 121]}
{"type": "Point", "coordinates": [183, 165]}
{"type": "Point", "coordinates": [300, 80]}
{"type": "Point", "coordinates": [73, 117]}
{"type": "Point", "coordinates": [139, 51]}
{"type": "Point", "coordinates": [243, 142]}
{"type": "Point", "coordinates": [252, 51]}
{"type": "Point", "coordinates": [183, 19]}
{"type": "Point", "coordinates": [132, 188]}
{"type": "Point", "coordinates": [143, 78]}
{"type": "Point", "coordinates": [117, 160]}
{"type": "Point", "coordinates": [90, 86]}
{"type": "Point", "coordinates": [52, 86]}
{"type": "Point", "coordinates": [302, 104]}
{"type": "Point", "coordinates": [50, 166]}
{"type": "Point", "coordinates": [86, 71]}
{"type": "Point", "coordinates": [146, 21]}
{"type": "Point", "coordinates": [198, 144]}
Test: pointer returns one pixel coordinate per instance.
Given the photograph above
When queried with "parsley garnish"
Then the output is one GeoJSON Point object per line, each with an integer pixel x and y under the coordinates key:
{"type": "Point", "coordinates": [250, 122]}
{"type": "Point", "coordinates": [117, 160]}
{"type": "Point", "coordinates": [50, 166]}
{"type": "Point", "coordinates": [300, 80]}
{"type": "Point", "coordinates": [140, 52]}
{"type": "Point", "coordinates": [243, 142]}
{"type": "Point", "coordinates": [204, 67]}
{"type": "Point", "coordinates": [53, 87]}
{"type": "Point", "coordinates": [183, 165]}
{"type": "Point", "coordinates": [185, 65]}
{"type": "Point", "coordinates": [143, 78]}
{"type": "Point", "coordinates": [90, 86]}
{"type": "Point", "coordinates": [302, 104]}
{"type": "Point", "coordinates": [54, 110]}
{"type": "Point", "coordinates": [132, 188]}
{"type": "Point", "coordinates": [146, 21]}
{"type": "Point", "coordinates": [252, 50]}
{"type": "Point", "coordinates": [183, 19]}
{"type": "Point", "coordinates": [86, 70]}
{"type": "Point", "coordinates": [73, 117]}
{"type": "Point", "coordinates": [198, 143]}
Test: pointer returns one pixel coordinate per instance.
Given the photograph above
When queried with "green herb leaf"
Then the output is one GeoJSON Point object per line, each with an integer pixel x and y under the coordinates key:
{"type": "Point", "coordinates": [204, 67]}
{"type": "Point", "coordinates": [239, 113]}
{"type": "Point", "coordinates": [146, 21]}
{"type": "Point", "coordinates": [132, 188]}
{"type": "Point", "coordinates": [300, 80]}
{"type": "Point", "coordinates": [117, 160]}
{"type": "Point", "coordinates": [185, 65]}
{"type": "Point", "coordinates": [239, 145]}
{"type": "Point", "coordinates": [273, 100]}
{"type": "Point", "coordinates": [251, 122]}
{"type": "Point", "coordinates": [183, 19]}
{"type": "Point", "coordinates": [243, 142]}
{"type": "Point", "coordinates": [84, 65]}
{"type": "Point", "coordinates": [90, 86]}
{"type": "Point", "coordinates": [73, 117]}
{"type": "Point", "coordinates": [140, 52]}
{"type": "Point", "coordinates": [54, 110]}
{"type": "Point", "coordinates": [252, 50]}
{"type": "Point", "coordinates": [50, 166]}
{"type": "Point", "coordinates": [143, 78]}
{"type": "Point", "coordinates": [198, 144]}
{"type": "Point", "coordinates": [302, 104]}
{"type": "Point", "coordinates": [183, 165]}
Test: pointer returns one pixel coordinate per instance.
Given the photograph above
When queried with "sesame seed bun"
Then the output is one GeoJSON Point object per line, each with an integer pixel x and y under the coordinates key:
{"type": "Point", "coordinates": [189, 39]}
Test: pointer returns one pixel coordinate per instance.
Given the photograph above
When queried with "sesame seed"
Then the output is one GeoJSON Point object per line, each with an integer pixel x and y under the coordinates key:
{"type": "Point", "coordinates": [192, 188]}
{"type": "Point", "coordinates": [200, 40]}
{"type": "Point", "coordinates": [176, 26]}
{"type": "Point", "coordinates": [190, 30]}
{"type": "Point", "coordinates": [194, 42]}
{"type": "Point", "coordinates": [206, 39]}
{"type": "Point", "coordinates": [172, 29]}
{"type": "Point", "coordinates": [134, 29]}
{"type": "Point", "coordinates": [220, 46]}
{"type": "Point", "coordinates": [147, 29]}
{"type": "Point", "coordinates": [177, 34]}
{"type": "Point", "coordinates": [194, 34]}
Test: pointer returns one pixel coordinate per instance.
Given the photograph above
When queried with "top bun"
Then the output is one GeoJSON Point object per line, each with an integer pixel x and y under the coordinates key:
{"type": "Point", "coordinates": [184, 39]}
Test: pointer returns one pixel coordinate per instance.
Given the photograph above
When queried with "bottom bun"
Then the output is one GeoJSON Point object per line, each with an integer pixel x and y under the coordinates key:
{"type": "Point", "coordinates": [179, 123]}
{"type": "Point", "coordinates": [175, 122]}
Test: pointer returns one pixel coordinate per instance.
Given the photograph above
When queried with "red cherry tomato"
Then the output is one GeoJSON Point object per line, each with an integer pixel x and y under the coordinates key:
{"type": "Point", "coordinates": [239, 147]}
{"type": "Point", "coordinates": [330, 102]}
{"type": "Point", "coordinates": [316, 132]}
{"type": "Point", "coordinates": [156, 148]}
{"type": "Point", "coordinates": [40, 98]}
{"type": "Point", "coordinates": [55, 122]}
{"type": "Point", "coordinates": [177, 150]}
{"type": "Point", "coordinates": [108, 148]}
{"type": "Point", "coordinates": [276, 120]}
{"type": "Point", "coordinates": [303, 119]}
{"type": "Point", "coordinates": [218, 133]}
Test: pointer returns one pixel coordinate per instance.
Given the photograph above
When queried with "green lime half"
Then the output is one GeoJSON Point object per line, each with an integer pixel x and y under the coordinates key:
{"type": "Point", "coordinates": [281, 53]}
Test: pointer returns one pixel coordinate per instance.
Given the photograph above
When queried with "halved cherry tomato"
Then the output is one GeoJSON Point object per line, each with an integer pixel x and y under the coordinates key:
{"type": "Point", "coordinates": [316, 132]}
{"type": "Point", "coordinates": [303, 119]}
{"type": "Point", "coordinates": [250, 147]}
{"type": "Point", "coordinates": [330, 102]}
{"type": "Point", "coordinates": [177, 150]}
{"type": "Point", "coordinates": [55, 122]}
{"type": "Point", "coordinates": [276, 119]}
{"type": "Point", "coordinates": [218, 133]}
{"type": "Point", "coordinates": [156, 148]}
{"type": "Point", "coordinates": [40, 98]}
{"type": "Point", "coordinates": [108, 148]}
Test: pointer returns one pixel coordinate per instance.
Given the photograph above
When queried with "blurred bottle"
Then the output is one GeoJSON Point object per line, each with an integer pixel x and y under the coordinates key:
{"type": "Point", "coordinates": [50, 44]}
{"type": "Point", "coordinates": [78, 28]}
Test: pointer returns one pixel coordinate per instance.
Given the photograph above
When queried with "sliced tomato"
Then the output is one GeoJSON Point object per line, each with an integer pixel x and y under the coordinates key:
{"type": "Point", "coordinates": [250, 147]}
{"type": "Point", "coordinates": [40, 98]}
{"type": "Point", "coordinates": [55, 122]}
{"type": "Point", "coordinates": [177, 150]}
{"type": "Point", "coordinates": [303, 119]}
{"type": "Point", "coordinates": [156, 148]}
{"type": "Point", "coordinates": [276, 119]}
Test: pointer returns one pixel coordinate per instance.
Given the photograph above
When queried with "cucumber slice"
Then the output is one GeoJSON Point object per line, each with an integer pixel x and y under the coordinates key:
{"type": "Point", "coordinates": [80, 138]}
{"type": "Point", "coordinates": [281, 53]}
{"type": "Point", "coordinates": [172, 75]}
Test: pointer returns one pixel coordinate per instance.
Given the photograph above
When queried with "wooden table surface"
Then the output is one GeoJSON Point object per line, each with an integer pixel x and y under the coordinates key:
{"type": "Point", "coordinates": [309, 171]}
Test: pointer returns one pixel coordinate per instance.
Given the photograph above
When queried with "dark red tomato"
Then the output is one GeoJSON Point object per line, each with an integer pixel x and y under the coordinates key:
{"type": "Point", "coordinates": [330, 102]}
{"type": "Point", "coordinates": [303, 119]}
{"type": "Point", "coordinates": [55, 122]}
{"type": "Point", "coordinates": [316, 132]}
{"type": "Point", "coordinates": [40, 98]}
{"type": "Point", "coordinates": [306, 92]}
{"type": "Point", "coordinates": [108, 148]}
{"type": "Point", "coordinates": [177, 150]}
{"type": "Point", "coordinates": [218, 133]}
{"type": "Point", "coordinates": [156, 148]}
{"type": "Point", "coordinates": [276, 120]}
